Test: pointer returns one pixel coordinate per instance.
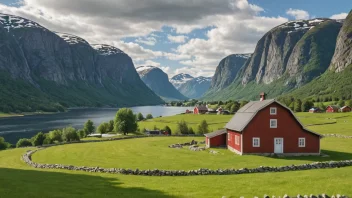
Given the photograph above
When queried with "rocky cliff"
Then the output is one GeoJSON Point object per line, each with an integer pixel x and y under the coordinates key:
{"type": "Point", "coordinates": [158, 81]}
{"type": "Point", "coordinates": [196, 87]}
{"type": "Point", "coordinates": [287, 57]}
{"type": "Point", "coordinates": [64, 69]}
{"type": "Point", "coordinates": [343, 53]}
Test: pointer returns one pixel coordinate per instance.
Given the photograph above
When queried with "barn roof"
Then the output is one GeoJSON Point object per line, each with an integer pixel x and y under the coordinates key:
{"type": "Point", "coordinates": [345, 107]}
{"type": "Point", "coordinates": [216, 133]}
{"type": "Point", "coordinates": [245, 115]}
{"type": "Point", "coordinates": [202, 108]}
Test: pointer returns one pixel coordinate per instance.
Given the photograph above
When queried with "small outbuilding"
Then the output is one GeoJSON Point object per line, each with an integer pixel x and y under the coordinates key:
{"type": "Point", "coordinates": [315, 110]}
{"type": "Point", "coordinates": [332, 109]}
{"type": "Point", "coordinates": [346, 109]}
{"type": "Point", "coordinates": [216, 139]}
{"type": "Point", "coordinates": [200, 110]}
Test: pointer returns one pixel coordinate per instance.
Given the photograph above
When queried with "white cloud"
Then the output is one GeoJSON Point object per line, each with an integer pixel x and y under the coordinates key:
{"type": "Point", "coordinates": [339, 16]}
{"type": "Point", "coordinates": [148, 41]}
{"type": "Point", "coordinates": [236, 26]}
{"type": "Point", "coordinates": [177, 39]}
{"type": "Point", "coordinates": [298, 14]}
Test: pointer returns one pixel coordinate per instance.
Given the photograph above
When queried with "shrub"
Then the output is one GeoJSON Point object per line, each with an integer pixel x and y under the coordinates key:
{"type": "Point", "coordinates": [167, 129]}
{"type": "Point", "coordinates": [55, 135]}
{"type": "Point", "coordinates": [81, 133]}
{"type": "Point", "coordinates": [125, 121]}
{"type": "Point", "coordinates": [23, 143]}
{"type": "Point", "coordinates": [103, 128]}
{"type": "Point", "coordinates": [47, 139]}
{"type": "Point", "coordinates": [89, 127]}
{"type": "Point", "coordinates": [38, 139]}
{"type": "Point", "coordinates": [182, 127]}
{"type": "Point", "coordinates": [149, 116]}
{"type": "Point", "coordinates": [140, 117]}
{"type": "Point", "coordinates": [203, 128]}
{"type": "Point", "coordinates": [190, 130]}
{"type": "Point", "coordinates": [3, 145]}
{"type": "Point", "coordinates": [69, 134]}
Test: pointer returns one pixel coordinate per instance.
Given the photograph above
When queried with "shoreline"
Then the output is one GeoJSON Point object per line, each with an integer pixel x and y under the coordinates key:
{"type": "Point", "coordinates": [10, 115]}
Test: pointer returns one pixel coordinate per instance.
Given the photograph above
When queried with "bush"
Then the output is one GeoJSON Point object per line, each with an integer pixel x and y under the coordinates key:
{"type": "Point", "coordinates": [182, 127]}
{"type": "Point", "coordinates": [55, 135]}
{"type": "Point", "coordinates": [203, 128]}
{"type": "Point", "coordinates": [69, 134]}
{"type": "Point", "coordinates": [140, 117]}
{"type": "Point", "coordinates": [103, 128]}
{"type": "Point", "coordinates": [3, 145]}
{"type": "Point", "coordinates": [89, 127]}
{"type": "Point", "coordinates": [47, 139]}
{"type": "Point", "coordinates": [81, 133]}
{"type": "Point", "coordinates": [38, 139]}
{"type": "Point", "coordinates": [190, 130]}
{"type": "Point", "coordinates": [125, 121]}
{"type": "Point", "coordinates": [149, 116]}
{"type": "Point", "coordinates": [23, 143]}
{"type": "Point", "coordinates": [167, 129]}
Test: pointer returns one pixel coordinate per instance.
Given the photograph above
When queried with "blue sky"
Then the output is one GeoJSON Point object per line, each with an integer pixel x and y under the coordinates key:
{"type": "Point", "coordinates": [174, 36]}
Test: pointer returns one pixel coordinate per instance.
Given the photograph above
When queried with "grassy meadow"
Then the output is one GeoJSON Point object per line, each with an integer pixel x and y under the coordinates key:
{"type": "Point", "coordinates": [18, 179]}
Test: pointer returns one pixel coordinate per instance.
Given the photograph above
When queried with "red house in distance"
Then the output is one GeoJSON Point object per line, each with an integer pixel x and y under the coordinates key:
{"type": "Point", "coordinates": [266, 127]}
{"type": "Point", "coordinates": [346, 109]}
{"type": "Point", "coordinates": [332, 109]}
{"type": "Point", "coordinates": [200, 110]}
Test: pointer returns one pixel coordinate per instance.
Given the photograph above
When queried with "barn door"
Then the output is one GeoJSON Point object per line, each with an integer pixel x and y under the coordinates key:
{"type": "Point", "coordinates": [278, 145]}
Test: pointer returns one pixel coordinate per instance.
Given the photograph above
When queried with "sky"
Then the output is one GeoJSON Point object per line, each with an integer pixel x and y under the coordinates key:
{"type": "Point", "coordinates": [179, 36]}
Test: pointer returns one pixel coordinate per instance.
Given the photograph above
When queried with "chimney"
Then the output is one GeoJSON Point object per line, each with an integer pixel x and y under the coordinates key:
{"type": "Point", "coordinates": [262, 96]}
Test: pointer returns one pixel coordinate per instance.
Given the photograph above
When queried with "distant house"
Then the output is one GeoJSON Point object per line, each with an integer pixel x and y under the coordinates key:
{"type": "Point", "coordinates": [346, 109]}
{"type": "Point", "coordinates": [200, 110]}
{"type": "Point", "coordinates": [332, 109]}
{"type": "Point", "coordinates": [314, 110]}
{"type": "Point", "coordinates": [156, 132]}
{"type": "Point", "coordinates": [188, 111]}
{"type": "Point", "coordinates": [220, 109]}
{"type": "Point", "coordinates": [266, 127]}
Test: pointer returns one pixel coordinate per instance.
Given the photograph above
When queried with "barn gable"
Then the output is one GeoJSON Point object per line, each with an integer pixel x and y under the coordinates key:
{"type": "Point", "coordinates": [246, 114]}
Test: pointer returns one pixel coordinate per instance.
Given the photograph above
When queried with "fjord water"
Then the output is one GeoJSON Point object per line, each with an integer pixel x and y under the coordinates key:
{"type": "Point", "coordinates": [14, 128]}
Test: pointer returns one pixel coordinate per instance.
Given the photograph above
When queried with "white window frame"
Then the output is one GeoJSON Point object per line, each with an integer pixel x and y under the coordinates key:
{"type": "Point", "coordinates": [271, 111]}
{"type": "Point", "coordinates": [303, 141]}
{"type": "Point", "coordinates": [237, 140]}
{"type": "Point", "coordinates": [273, 127]}
{"type": "Point", "coordinates": [253, 141]}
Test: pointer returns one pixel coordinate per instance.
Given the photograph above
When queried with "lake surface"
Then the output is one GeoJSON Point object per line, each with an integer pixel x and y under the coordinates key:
{"type": "Point", "coordinates": [14, 128]}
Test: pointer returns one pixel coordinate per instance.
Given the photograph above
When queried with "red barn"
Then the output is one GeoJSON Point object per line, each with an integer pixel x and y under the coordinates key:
{"type": "Point", "coordinates": [216, 139]}
{"type": "Point", "coordinates": [332, 109]}
{"type": "Point", "coordinates": [346, 109]}
{"type": "Point", "coordinates": [200, 110]}
{"type": "Point", "coordinates": [266, 127]}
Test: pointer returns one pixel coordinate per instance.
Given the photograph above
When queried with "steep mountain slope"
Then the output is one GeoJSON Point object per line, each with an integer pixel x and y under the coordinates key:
{"type": "Point", "coordinates": [180, 79]}
{"type": "Point", "coordinates": [226, 72]}
{"type": "Point", "coordinates": [287, 57]}
{"type": "Point", "coordinates": [63, 70]}
{"type": "Point", "coordinates": [335, 82]}
{"type": "Point", "coordinates": [158, 81]}
{"type": "Point", "coordinates": [196, 87]}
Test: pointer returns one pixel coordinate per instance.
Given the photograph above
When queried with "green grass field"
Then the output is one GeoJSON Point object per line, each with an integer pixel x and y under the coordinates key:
{"type": "Point", "coordinates": [18, 179]}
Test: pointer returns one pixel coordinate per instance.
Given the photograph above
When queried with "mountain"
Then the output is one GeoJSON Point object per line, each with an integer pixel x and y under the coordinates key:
{"type": "Point", "coordinates": [336, 82]}
{"type": "Point", "coordinates": [227, 71]}
{"type": "Point", "coordinates": [158, 81]}
{"type": "Point", "coordinates": [287, 57]}
{"type": "Point", "coordinates": [180, 79]}
{"type": "Point", "coordinates": [196, 87]}
{"type": "Point", "coordinates": [45, 70]}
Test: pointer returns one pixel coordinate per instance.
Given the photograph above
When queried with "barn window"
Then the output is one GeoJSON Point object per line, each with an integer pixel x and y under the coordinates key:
{"type": "Point", "coordinates": [256, 142]}
{"type": "Point", "coordinates": [237, 140]}
{"type": "Point", "coordinates": [273, 111]}
{"type": "Point", "coordinates": [273, 123]}
{"type": "Point", "coordinates": [301, 142]}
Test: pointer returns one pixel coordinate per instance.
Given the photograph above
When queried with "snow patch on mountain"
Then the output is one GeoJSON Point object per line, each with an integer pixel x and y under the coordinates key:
{"type": "Point", "coordinates": [106, 50]}
{"type": "Point", "coordinates": [14, 22]}
{"type": "Point", "coordinates": [299, 25]}
{"type": "Point", "coordinates": [71, 39]}
{"type": "Point", "coordinates": [143, 68]}
{"type": "Point", "coordinates": [180, 79]}
{"type": "Point", "coordinates": [202, 79]}
{"type": "Point", "coordinates": [246, 56]}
